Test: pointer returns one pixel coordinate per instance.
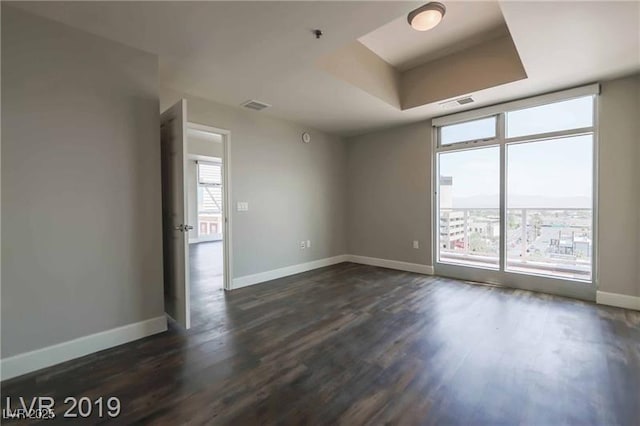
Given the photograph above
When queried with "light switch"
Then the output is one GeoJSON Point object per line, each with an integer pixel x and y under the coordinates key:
{"type": "Point", "coordinates": [243, 206]}
{"type": "Point", "coordinates": [416, 244]}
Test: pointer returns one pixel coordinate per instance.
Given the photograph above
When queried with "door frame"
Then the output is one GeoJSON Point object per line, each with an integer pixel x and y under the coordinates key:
{"type": "Point", "coordinates": [585, 290]}
{"type": "Point", "coordinates": [227, 241]}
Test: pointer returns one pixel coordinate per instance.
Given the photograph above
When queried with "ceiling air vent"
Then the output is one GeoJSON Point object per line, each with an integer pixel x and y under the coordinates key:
{"type": "Point", "coordinates": [255, 105]}
{"type": "Point", "coordinates": [457, 102]}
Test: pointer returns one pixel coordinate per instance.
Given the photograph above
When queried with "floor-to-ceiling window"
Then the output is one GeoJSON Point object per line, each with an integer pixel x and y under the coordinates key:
{"type": "Point", "coordinates": [209, 200]}
{"type": "Point", "coordinates": [515, 193]}
{"type": "Point", "coordinates": [469, 188]}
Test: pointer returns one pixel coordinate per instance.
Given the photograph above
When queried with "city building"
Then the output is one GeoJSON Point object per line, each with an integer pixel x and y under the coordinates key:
{"type": "Point", "coordinates": [452, 222]}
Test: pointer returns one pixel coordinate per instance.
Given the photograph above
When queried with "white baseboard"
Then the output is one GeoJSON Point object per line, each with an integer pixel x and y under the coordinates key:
{"type": "Point", "coordinates": [248, 280]}
{"type": "Point", "coordinates": [261, 277]}
{"type": "Point", "coordinates": [27, 362]}
{"type": "Point", "coordinates": [618, 300]}
{"type": "Point", "coordinates": [392, 264]}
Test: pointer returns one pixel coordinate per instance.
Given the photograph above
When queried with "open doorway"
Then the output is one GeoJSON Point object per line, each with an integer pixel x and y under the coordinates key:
{"type": "Point", "coordinates": [206, 203]}
{"type": "Point", "coordinates": [194, 158]}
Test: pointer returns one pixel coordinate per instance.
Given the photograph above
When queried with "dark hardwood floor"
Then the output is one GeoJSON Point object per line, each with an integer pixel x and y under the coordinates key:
{"type": "Point", "coordinates": [353, 344]}
{"type": "Point", "coordinates": [206, 269]}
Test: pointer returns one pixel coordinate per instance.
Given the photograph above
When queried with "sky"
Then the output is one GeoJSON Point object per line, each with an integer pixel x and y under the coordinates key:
{"type": "Point", "coordinates": [548, 173]}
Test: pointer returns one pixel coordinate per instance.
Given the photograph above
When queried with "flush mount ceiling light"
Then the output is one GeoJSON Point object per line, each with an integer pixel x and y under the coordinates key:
{"type": "Point", "coordinates": [426, 17]}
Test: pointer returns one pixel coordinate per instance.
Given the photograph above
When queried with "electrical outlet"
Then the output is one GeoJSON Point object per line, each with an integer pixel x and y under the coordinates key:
{"type": "Point", "coordinates": [308, 243]}
{"type": "Point", "coordinates": [416, 244]}
{"type": "Point", "coordinates": [303, 245]}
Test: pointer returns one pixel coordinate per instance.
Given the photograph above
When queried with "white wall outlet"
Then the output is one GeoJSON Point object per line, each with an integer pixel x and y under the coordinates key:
{"type": "Point", "coordinates": [308, 243]}
{"type": "Point", "coordinates": [243, 206]}
{"type": "Point", "coordinates": [416, 244]}
{"type": "Point", "coordinates": [303, 245]}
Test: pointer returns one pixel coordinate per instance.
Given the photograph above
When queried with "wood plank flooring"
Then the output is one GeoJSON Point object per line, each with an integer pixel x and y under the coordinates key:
{"type": "Point", "coordinates": [353, 344]}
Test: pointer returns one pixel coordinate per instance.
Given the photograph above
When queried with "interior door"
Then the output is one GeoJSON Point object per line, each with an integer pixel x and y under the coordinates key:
{"type": "Point", "coordinates": [173, 139]}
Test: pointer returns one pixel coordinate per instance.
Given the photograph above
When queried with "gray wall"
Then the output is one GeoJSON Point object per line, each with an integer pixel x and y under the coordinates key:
{"type": "Point", "coordinates": [295, 191]}
{"type": "Point", "coordinates": [619, 187]}
{"type": "Point", "coordinates": [198, 145]}
{"type": "Point", "coordinates": [389, 181]}
{"type": "Point", "coordinates": [81, 221]}
{"type": "Point", "coordinates": [388, 190]}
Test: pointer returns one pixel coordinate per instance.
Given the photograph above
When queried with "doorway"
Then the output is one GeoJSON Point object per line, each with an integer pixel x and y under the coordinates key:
{"type": "Point", "coordinates": [515, 196]}
{"type": "Point", "coordinates": [205, 211]}
{"type": "Point", "coordinates": [196, 191]}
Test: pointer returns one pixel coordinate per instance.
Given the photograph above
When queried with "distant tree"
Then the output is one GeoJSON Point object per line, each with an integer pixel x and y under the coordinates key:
{"type": "Point", "coordinates": [512, 222]}
{"type": "Point", "coordinates": [477, 243]}
{"type": "Point", "coordinates": [536, 222]}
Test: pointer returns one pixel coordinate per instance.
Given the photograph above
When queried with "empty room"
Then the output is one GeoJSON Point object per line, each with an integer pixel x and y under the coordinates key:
{"type": "Point", "coordinates": [320, 212]}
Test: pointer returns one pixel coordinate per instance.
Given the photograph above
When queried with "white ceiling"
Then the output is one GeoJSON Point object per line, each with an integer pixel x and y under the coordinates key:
{"type": "Point", "coordinates": [231, 52]}
{"type": "Point", "coordinates": [464, 25]}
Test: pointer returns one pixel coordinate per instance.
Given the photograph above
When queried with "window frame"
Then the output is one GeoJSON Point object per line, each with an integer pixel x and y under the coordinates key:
{"type": "Point", "coordinates": [199, 200]}
{"type": "Point", "coordinates": [212, 163]}
{"type": "Point", "coordinates": [469, 142]}
{"type": "Point", "coordinates": [583, 289]}
{"type": "Point", "coordinates": [554, 132]}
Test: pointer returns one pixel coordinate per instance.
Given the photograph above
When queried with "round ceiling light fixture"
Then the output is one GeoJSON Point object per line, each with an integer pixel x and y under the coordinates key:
{"type": "Point", "coordinates": [426, 17]}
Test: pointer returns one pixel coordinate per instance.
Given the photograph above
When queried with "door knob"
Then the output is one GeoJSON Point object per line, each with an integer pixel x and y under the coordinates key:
{"type": "Point", "coordinates": [188, 227]}
{"type": "Point", "coordinates": [180, 228]}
